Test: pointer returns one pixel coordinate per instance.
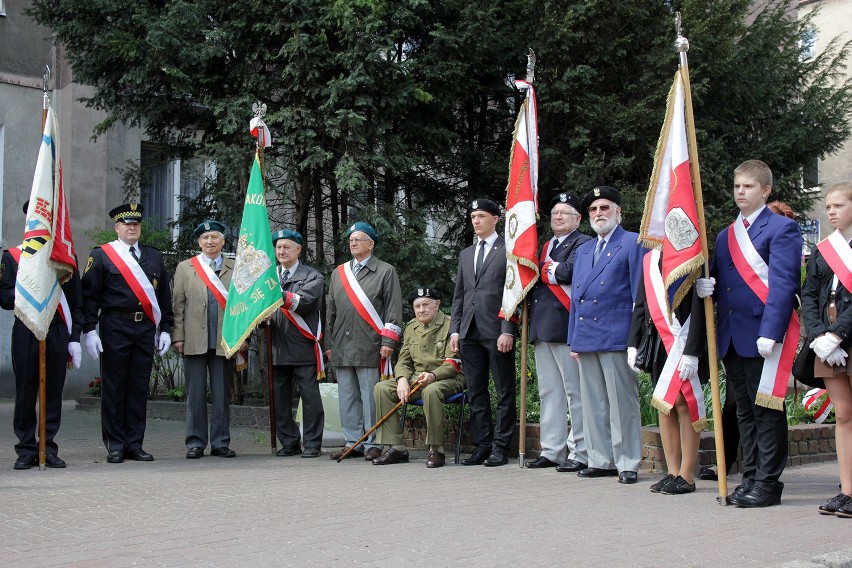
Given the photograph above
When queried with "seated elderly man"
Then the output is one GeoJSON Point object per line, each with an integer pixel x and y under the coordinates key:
{"type": "Point", "coordinates": [425, 358]}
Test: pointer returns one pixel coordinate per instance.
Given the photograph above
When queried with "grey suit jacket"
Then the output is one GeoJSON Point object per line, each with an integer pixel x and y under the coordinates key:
{"type": "Point", "coordinates": [481, 298]}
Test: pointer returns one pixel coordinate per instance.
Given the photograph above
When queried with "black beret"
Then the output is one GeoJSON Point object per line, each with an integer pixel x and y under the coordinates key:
{"type": "Point", "coordinates": [568, 199]}
{"type": "Point", "coordinates": [482, 204]}
{"type": "Point", "coordinates": [600, 192]}
{"type": "Point", "coordinates": [430, 293]}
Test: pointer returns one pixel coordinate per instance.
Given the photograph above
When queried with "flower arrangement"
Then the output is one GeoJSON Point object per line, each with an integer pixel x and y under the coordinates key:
{"type": "Point", "coordinates": [95, 387]}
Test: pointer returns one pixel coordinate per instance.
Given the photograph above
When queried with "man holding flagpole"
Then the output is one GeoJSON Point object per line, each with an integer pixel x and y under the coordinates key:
{"type": "Point", "coordinates": [63, 343]}
{"type": "Point", "coordinates": [126, 290]}
{"type": "Point", "coordinates": [757, 270]}
{"type": "Point", "coordinates": [201, 290]}
{"type": "Point", "coordinates": [41, 281]}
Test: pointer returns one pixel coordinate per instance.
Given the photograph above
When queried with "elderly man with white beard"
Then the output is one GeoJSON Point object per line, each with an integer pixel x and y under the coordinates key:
{"type": "Point", "coordinates": [607, 272]}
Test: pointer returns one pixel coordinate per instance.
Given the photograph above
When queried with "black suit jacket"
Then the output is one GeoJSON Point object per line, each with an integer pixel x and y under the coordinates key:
{"type": "Point", "coordinates": [480, 298]}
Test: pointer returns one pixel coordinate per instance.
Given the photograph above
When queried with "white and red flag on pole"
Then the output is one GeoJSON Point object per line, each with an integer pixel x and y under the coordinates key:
{"type": "Point", "coordinates": [522, 206]}
{"type": "Point", "coordinates": [47, 253]}
{"type": "Point", "coordinates": [670, 220]}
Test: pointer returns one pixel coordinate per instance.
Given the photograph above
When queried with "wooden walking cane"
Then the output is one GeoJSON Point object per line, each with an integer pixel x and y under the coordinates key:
{"type": "Point", "coordinates": [375, 427]}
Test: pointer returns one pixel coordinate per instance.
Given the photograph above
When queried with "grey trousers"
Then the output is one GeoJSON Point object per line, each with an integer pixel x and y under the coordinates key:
{"type": "Point", "coordinates": [609, 390]}
{"type": "Point", "coordinates": [357, 406]}
{"type": "Point", "coordinates": [313, 415]}
{"type": "Point", "coordinates": [195, 369]}
{"type": "Point", "coordinates": [559, 389]}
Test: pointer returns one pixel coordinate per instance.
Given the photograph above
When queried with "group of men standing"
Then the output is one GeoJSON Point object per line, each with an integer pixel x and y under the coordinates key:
{"type": "Point", "coordinates": [580, 320]}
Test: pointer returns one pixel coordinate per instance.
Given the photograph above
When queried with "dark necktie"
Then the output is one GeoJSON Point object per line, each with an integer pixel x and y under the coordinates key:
{"type": "Point", "coordinates": [480, 258]}
{"type": "Point", "coordinates": [746, 223]}
{"type": "Point", "coordinates": [598, 251]}
{"type": "Point", "coordinates": [285, 275]}
{"type": "Point", "coordinates": [134, 255]}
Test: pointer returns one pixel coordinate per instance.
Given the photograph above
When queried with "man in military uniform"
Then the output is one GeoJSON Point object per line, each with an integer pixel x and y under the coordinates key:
{"type": "Point", "coordinates": [425, 358]}
{"type": "Point", "coordinates": [297, 348]}
{"type": "Point", "coordinates": [126, 289]}
{"type": "Point", "coordinates": [364, 314]}
{"type": "Point", "coordinates": [62, 341]}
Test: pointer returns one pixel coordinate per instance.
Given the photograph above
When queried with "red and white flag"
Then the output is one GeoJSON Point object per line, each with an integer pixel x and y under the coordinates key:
{"type": "Point", "coordinates": [47, 253]}
{"type": "Point", "coordinates": [670, 220]}
{"type": "Point", "coordinates": [522, 207]}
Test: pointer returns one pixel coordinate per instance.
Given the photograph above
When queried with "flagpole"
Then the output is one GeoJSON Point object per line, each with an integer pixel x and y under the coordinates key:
{"type": "Point", "coordinates": [682, 46]}
{"type": "Point", "coordinates": [42, 344]}
{"type": "Point", "coordinates": [259, 111]}
{"type": "Point", "coordinates": [522, 433]}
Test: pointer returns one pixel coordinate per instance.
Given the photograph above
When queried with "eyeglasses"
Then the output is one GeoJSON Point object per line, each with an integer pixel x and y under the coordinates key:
{"type": "Point", "coordinates": [601, 208]}
{"type": "Point", "coordinates": [357, 240]}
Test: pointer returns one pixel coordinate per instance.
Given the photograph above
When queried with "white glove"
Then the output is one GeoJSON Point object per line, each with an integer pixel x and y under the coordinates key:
{"type": "Point", "coordinates": [76, 353]}
{"type": "Point", "coordinates": [688, 367]}
{"type": "Point", "coordinates": [548, 272]}
{"type": "Point", "coordinates": [164, 342]}
{"type": "Point", "coordinates": [705, 287]}
{"type": "Point", "coordinates": [764, 347]}
{"type": "Point", "coordinates": [825, 344]}
{"type": "Point", "coordinates": [631, 359]}
{"type": "Point", "coordinates": [93, 344]}
{"type": "Point", "coordinates": [837, 358]}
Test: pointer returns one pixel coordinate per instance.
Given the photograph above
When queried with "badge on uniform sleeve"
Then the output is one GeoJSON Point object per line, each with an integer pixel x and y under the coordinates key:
{"type": "Point", "coordinates": [89, 264]}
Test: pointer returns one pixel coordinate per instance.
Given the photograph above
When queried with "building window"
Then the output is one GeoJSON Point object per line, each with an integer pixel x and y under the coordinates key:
{"type": "Point", "coordinates": [167, 184]}
{"type": "Point", "coordinates": [2, 7]}
{"type": "Point", "coordinates": [810, 177]}
{"type": "Point", "coordinates": [808, 44]}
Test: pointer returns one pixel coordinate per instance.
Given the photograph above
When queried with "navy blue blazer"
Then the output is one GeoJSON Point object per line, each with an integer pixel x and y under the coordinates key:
{"type": "Point", "coordinates": [602, 295]}
{"type": "Point", "coordinates": [742, 317]}
{"type": "Point", "coordinates": [548, 317]}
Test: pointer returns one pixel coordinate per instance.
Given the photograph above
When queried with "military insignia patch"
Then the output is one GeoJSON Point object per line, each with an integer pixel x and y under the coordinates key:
{"type": "Point", "coordinates": [89, 264]}
{"type": "Point", "coordinates": [597, 192]}
{"type": "Point", "coordinates": [563, 198]}
{"type": "Point", "coordinates": [2, 270]}
{"type": "Point", "coordinates": [474, 205]}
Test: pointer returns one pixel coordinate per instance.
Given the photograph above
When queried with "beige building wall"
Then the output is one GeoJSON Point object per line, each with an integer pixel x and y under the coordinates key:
{"type": "Point", "coordinates": [833, 19]}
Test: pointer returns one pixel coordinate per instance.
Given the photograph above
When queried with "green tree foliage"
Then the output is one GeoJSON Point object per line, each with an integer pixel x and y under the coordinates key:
{"type": "Point", "coordinates": [408, 105]}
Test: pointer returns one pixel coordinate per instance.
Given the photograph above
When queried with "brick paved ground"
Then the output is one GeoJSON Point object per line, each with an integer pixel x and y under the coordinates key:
{"type": "Point", "coordinates": [256, 510]}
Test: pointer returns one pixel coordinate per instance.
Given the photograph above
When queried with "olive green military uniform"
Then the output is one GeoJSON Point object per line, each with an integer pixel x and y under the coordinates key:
{"type": "Point", "coordinates": [424, 348]}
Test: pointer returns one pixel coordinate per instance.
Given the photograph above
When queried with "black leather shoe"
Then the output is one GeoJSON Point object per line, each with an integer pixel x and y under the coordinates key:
{"type": "Point", "coordinates": [628, 477]}
{"type": "Point", "coordinates": [739, 492]}
{"type": "Point", "coordinates": [831, 506]}
{"type": "Point", "coordinates": [758, 497]}
{"type": "Point", "coordinates": [115, 456]}
{"type": "Point", "coordinates": [497, 458]}
{"type": "Point", "coordinates": [540, 462]}
{"type": "Point", "coordinates": [138, 454]}
{"type": "Point", "coordinates": [54, 461]}
{"type": "Point", "coordinates": [570, 466]}
{"type": "Point", "coordinates": [26, 462]}
{"type": "Point", "coordinates": [597, 472]}
{"type": "Point", "coordinates": [311, 453]}
{"type": "Point", "coordinates": [708, 474]}
{"type": "Point", "coordinates": [225, 452]}
{"type": "Point", "coordinates": [289, 451]}
{"type": "Point", "coordinates": [476, 458]}
{"type": "Point", "coordinates": [194, 453]}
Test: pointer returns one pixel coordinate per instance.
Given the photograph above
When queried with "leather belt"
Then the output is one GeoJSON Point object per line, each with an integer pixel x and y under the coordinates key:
{"type": "Point", "coordinates": [132, 316]}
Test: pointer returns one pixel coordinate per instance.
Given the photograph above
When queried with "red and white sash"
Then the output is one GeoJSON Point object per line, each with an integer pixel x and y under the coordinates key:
{"type": "Point", "coordinates": [673, 336]}
{"type": "Point", "coordinates": [135, 278]}
{"type": "Point", "coordinates": [755, 272]}
{"type": "Point", "coordinates": [562, 293]}
{"type": "Point", "coordinates": [305, 330]}
{"type": "Point", "coordinates": [211, 281]}
{"type": "Point", "coordinates": [365, 308]}
{"type": "Point", "coordinates": [837, 253]}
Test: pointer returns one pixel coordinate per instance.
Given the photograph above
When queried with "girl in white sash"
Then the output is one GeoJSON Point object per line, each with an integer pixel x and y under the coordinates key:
{"type": "Point", "coordinates": [674, 363]}
{"type": "Point", "coordinates": [828, 318]}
